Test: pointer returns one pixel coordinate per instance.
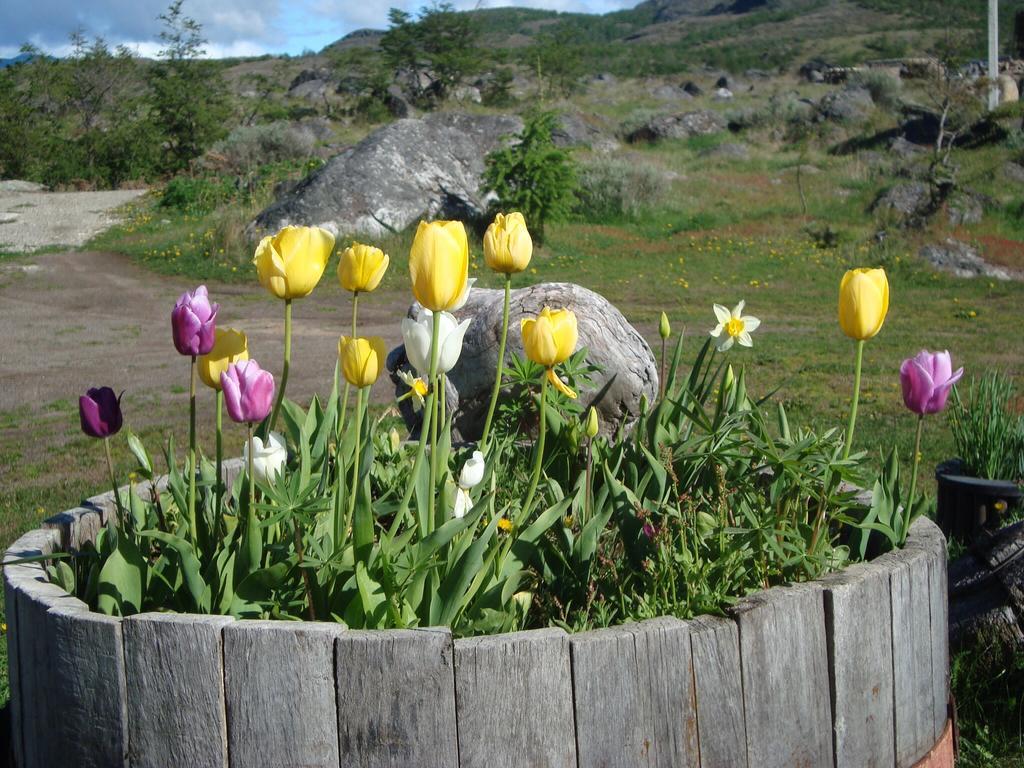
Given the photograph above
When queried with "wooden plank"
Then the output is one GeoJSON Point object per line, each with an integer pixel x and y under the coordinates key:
{"type": "Point", "coordinates": [29, 598]}
{"type": "Point", "coordinates": [75, 527]}
{"type": "Point", "coordinates": [633, 695]}
{"type": "Point", "coordinates": [281, 693]}
{"type": "Point", "coordinates": [913, 694]}
{"type": "Point", "coordinates": [514, 701]}
{"type": "Point", "coordinates": [718, 685]}
{"type": "Point", "coordinates": [88, 717]}
{"type": "Point", "coordinates": [175, 676]}
{"type": "Point", "coordinates": [786, 697]}
{"type": "Point", "coordinates": [396, 699]}
{"type": "Point", "coordinates": [858, 615]}
{"type": "Point", "coordinates": [927, 536]}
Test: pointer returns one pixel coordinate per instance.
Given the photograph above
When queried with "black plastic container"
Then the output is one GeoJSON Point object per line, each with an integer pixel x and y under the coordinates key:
{"type": "Point", "coordinates": [967, 504]}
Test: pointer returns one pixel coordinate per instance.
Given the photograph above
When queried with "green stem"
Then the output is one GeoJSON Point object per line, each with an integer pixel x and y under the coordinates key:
{"type": "Point", "coordinates": [421, 449]}
{"type": "Point", "coordinates": [192, 524]}
{"type": "Point", "coordinates": [113, 480]}
{"type": "Point", "coordinates": [917, 461]}
{"type": "Point", "coordinates": [501, 362]}
{"type": "Point", "coordinates": [661, 393]}
{"type": "Point", "coordinates": [287, 363]}
{"type": "Point", "coordinates": [344, 398]}
{"type": "Point", "coordinates": [539, 459]}
{"type": "Point", "coordinates": [220, 458]}
{"type": "Point", "coordinates": [856, 399]}
{"type": "Point", "coordinates": [354, 488]}
{"type": "Point", "coordinates": [255, 546]}
{"type": "Point", "coordinates": [434, 422]}
{"type": "Point", "coordinates": [589, 498]}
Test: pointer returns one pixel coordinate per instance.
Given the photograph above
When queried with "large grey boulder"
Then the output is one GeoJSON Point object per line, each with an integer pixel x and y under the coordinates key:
{"type": "Point", "coordinates": [628, 368]}
{"type": "Point", "coordinates": [575, 129]}
{"type": "Point", "coordinates": [681, 126]}
{"type": "Point", "coordinates": [405, 171]}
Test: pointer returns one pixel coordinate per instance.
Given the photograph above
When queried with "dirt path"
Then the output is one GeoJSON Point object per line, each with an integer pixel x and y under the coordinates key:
{"type": "Point", "coordinates": [72, 320]}
{"type": "Point", "coordinates": [33, 220]}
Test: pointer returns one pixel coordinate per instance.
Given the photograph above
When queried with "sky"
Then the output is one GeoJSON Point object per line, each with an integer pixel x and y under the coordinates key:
{"type": "Point", "coordinates": [232, 27]}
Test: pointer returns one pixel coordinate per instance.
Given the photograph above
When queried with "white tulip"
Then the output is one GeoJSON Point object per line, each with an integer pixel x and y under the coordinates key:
{"type": "Point", "coordinates": [464, 297]}
{"type": "Point", "coordinates": [417, 335]}
{"type": "Point", "coordinates": [268, 458]}
{"type": "Point", "coordinates": [471, 475]}
{"type": "Point", "coordinates": [472, 471]}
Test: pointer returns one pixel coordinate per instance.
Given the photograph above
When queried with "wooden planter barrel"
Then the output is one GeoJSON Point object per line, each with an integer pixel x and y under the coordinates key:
{"type": "Point", "coordinates": [848, 671]}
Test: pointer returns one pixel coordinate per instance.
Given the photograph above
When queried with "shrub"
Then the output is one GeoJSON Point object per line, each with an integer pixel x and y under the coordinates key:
{"type": "Point", "coordinates": [196, 195]}
{"type": "Point", "coordinates": [533, 175]}
{"type": "Point", "coordinates": [250, 146]}
{"type": "Point", "coordinates": [885, 89]}
{"type": "Point", "coordinates": [614, 187]}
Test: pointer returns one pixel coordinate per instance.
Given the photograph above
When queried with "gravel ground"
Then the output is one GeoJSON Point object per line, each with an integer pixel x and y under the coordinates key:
{"type": "Point", "coordinates": [33, 220]}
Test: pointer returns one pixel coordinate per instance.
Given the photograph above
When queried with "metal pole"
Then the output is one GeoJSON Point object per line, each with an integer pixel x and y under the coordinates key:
{"type": "Point", "coordinates": [993, 53]}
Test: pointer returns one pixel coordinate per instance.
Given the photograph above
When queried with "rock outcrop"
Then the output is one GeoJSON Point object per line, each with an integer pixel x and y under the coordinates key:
{"type": "Point", "coordinates": [410, 169]}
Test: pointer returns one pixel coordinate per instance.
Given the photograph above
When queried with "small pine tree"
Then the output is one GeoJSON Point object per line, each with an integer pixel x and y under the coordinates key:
{"type": "Point", "coordinates": [533, 176]}
{"type": "Point", "coordinates": [189, 101]}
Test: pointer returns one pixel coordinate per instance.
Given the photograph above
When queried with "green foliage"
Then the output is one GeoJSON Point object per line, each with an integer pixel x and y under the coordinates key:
{"type": "Point", "coordinates": [986, 679]}
{"type": "Point", "coordinates": [196, 195]}
{"type": "Point", "coordinates": [249, 146]}
{"type": "Point", "coordinates": [532, 175]}
{"type": "Point", "coordinates": [989, 436]}
{"type": "Point", "coordinates": [883, 87]}
{"type": "Point", "coordinates": [436, 50]}
{"type": "Point", "coordinates": [557, 57]}
{"type": "Point", "coordinates": [187, 93]}
{"type": "Point", "coordinates": [612, 188]}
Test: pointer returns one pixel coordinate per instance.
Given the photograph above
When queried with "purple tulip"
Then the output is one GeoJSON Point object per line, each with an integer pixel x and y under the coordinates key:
{"type": "Point", "coordinates": [248, 391]}
{"type": "Point", "coordinates": [193, 322]}
{"type": "Point", "coordinates": [926, 380]}
{"type": "Point", "coordinates": [100, 412]}
{"type": "Point", "coordinates": [649, 530]}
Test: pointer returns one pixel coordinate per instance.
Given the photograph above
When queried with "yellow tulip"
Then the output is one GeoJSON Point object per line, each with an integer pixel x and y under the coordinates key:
{"type": "Point", "coordinates": [362, 267]}
{"type": "Point", "coordinates": [291, 263]}
{"type": "Point", "coordinates": [229, 346]}
{"type": "Point", "coordinates": [550, 339]}
{"type": "Point", "coordinates": [593, 424]}
{"type": "Point", "coordinates": [507, 244]}
{"type": "Point", "coordinates": [439, 264]}
{"type": "Point", "coordinates": [863, 302]}
{"type": "Point", "coordinates": [362, 360]}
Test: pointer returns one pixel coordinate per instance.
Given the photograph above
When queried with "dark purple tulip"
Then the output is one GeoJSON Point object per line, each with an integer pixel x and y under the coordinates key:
{"type": "Point", "coordinates": [649, 530]}
{"type": "Point", "coordinates": [248, 391]}
{"type": "Point", "coordinates": [926, 380]}
{"type": "Point", "coordinates": [100, 412]}
{"type": "Point", "coordinates": [193, 322]}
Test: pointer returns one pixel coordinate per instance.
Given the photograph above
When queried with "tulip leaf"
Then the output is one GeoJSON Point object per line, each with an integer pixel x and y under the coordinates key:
{"type": "Point", "coordinates": [371, 593]}
{"type": "Point", "coordinates": [122, 580]}
{"type": "Point", "coordinates": [190, 568]}
{"type": "Point", "coordinates": [142, 457]}
{"type": "Point", "coordinates": [452, 594]}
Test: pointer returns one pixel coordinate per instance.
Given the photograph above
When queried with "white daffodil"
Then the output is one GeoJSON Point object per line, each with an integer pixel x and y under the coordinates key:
{"type": "Point", "coordinates": [464, 297]}
{"type": "Point", "coordinates": [417, 335]}
{"type": "Point", "coordinates": [268, 458]}
{"type": "Point", "coordinates": [471, 475]}
{"type": "Point", "coordinates": [417, 389]}
{"type": "Point", "coordinates": [734, 327]}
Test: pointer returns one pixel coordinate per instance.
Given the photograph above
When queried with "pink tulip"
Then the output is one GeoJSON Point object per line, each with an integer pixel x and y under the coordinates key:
{"type": "Point", "coordinates": [926, 380]}
{"type": "Point", "coordinates": [248, 391]}
{"type": "Point", "coordinates": [193, 322]}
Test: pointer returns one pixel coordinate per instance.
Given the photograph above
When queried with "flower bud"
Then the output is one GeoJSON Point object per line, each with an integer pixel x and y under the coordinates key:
{"type": "Point", "coordinates": [664, 329]}
{"type": "Point", "coordinates": [593, 424]}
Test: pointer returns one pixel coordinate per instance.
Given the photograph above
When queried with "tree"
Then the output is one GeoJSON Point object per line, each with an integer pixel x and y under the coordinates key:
{"type": "Point", "coordinates": [558, 60]}
{"type": "Point", "coordinates": [434, 52]}
{"type": "Point", "coordinates": [533, 176]}
{"type": "Point", "coordinates": [189, 101]}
